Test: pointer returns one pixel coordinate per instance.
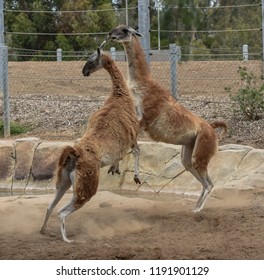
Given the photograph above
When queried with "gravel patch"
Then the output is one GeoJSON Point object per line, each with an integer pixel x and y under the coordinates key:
{"type": "Point", "coordinates": [65, 118]}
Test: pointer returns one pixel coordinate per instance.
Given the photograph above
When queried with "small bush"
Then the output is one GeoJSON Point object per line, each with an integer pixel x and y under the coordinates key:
{"type": "Point", "coordinates": [15, 128]}
{"type": "Point", "coordinates": [249, 97]}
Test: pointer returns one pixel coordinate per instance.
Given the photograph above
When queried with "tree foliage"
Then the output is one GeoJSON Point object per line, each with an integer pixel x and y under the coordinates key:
{"type": "Point", "coordinates": [191, 17]}
{"type": "Point", "coordinates": [61, 19]}
{"type": "Point", "coordinates": [244, 18]}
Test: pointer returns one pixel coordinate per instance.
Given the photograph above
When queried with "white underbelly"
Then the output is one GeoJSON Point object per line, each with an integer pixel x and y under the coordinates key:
{"type": "Point", "coordinates": [108, 160]}
{"type": "Point", "coordinates": [137, 99]}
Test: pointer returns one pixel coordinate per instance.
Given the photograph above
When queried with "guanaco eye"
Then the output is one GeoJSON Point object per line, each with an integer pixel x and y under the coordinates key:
{"type": "Point", "coordinates": [125, 30]}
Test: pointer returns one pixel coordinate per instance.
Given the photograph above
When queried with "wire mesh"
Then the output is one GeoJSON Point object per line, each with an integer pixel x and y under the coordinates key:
{"type": "Point", "coordinates": [31, 76]}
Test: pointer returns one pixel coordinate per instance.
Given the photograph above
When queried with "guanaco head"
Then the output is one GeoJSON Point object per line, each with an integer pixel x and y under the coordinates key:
{"type": "Point", "coordinates": [94, 62]}
{"type": "Point", "coordinates": [122, 33]}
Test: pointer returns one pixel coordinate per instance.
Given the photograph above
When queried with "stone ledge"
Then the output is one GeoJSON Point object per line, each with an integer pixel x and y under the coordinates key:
{"type": "Point", "coordinates": [28, 164]}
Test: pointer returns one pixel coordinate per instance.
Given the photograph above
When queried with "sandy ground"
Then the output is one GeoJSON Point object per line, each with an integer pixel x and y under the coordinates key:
{"type": "Point", "coordinates": [112, 226]}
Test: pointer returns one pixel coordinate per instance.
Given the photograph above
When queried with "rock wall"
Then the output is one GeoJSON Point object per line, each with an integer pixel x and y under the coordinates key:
{"type": "Point", "coordinates": [28, 165]}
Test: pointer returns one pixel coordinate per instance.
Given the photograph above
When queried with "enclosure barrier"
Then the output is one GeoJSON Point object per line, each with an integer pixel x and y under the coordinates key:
{"type": "Point", "coordinates": [4, 88]}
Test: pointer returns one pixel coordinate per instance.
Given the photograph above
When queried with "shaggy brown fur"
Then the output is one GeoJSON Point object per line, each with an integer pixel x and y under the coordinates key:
{"type": "Point", "coordinates": [111, 132]}
{"type": "Point", "coordinates": [163, 118]}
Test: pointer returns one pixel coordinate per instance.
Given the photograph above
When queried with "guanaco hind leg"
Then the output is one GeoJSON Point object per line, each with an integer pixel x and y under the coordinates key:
{"type": "Point", "coordinates": [63, 184]}
{"type": "Point", "coordinates": [199, 172]}
{"type": "Point", "coordinates": [65, 212]}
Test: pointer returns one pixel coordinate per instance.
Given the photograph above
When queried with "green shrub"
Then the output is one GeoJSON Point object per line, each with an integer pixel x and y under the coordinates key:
{"type": "Point", "coordinates": [15, 128]}
{"type": "Point", "coordinates": [249, 97]}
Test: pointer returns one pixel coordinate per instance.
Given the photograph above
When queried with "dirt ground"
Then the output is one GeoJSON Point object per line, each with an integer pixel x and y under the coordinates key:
{"type": "Point", "coordinates": [118, 227]}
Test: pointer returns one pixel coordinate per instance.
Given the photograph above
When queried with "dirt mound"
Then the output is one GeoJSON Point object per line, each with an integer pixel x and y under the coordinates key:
{"type": "Point", "coordinates": [111, 226]}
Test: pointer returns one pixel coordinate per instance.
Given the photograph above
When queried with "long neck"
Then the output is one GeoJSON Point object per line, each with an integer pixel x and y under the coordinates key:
{"type": "Point", "coordinates": [118, 82]}
{"type": "Point", "coordinates": [137, 65]}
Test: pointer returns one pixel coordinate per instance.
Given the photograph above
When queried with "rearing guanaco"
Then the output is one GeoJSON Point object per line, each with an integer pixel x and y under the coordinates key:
{"type": "Point", "coordinates": [166, 120]}
{"type": "Point", "coordinates": [111, 132]}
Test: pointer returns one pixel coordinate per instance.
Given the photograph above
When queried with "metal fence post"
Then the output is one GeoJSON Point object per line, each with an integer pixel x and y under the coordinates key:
{"type": "Point", "coordinates": [59, 55]}
{"type": "Point", "coordinates": [4, 74]}
{"type": "Point", "coordinates": [245, 52]}
{"type": "Point", "coordinates": [1, 71]}
{"type": "Point", "coordinates": [113, 53]}
{"type": "Point", "coordinates": [144, 26]}
{"type": "Point", "coordinates": [1, 42]}
{"type": "Point", "coordinates": [4, 88]}
{"type": "Point", "coordinates": [173, 70]}
{"type": "Point", "coordinates": [262, 9]}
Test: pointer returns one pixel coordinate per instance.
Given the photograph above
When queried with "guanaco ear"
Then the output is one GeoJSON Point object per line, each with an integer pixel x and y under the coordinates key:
{"type": "Point", "coordinates": [138, 34]}
{"type": "Point", "coordinates": [102, 45]}
{"type": "Point", "coordinates": [133, 31]}
{"type": "Point", "coordinates": [98, 51]}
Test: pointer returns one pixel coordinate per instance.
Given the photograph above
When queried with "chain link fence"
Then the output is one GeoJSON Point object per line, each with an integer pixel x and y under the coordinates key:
{"type": "Point", "coordinates": [54, 95]}
{"type": "Point", "coordinates": [40, 73]}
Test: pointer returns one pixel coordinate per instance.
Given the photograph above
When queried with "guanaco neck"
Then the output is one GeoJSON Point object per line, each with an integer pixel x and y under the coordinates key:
{"type": "Point", "coordinates": [118, 82]}
{"type": "Point", "coordinates": [137, 64]}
